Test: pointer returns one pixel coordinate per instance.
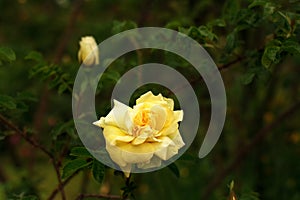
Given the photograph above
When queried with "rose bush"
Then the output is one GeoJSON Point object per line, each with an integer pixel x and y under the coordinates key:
{"type": "Point", "coordinates": [143, 135]}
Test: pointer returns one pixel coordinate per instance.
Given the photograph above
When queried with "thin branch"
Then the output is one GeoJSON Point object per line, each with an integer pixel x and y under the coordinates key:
{"type": "Point", "coordinates": [98, 196]}
{"type": "Point", "coordinates": [63, 184]}
{"type": "Point", "coordinates": [225, 66]}
{"type": "Point", "coordinates": [37, 145]}
{"type": "Point", "coordinates": [30, 140]}
{"type": "Point", "coordinates": [259, 136]}
{"type": "Point", "coordinates": [60, 183]}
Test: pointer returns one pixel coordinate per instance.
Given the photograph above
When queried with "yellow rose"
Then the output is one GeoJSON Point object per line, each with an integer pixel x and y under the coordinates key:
{"type": "Point", "coordinates": [143, 135]}
{"type": "Point", "coordinates": [88, 52]}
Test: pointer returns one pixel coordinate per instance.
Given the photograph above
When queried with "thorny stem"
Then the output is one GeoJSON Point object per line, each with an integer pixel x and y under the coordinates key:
{"type": "Point", "coordinates": [37, 145]}
{"type": "Point", "coordinates": [63, 184]}
{"type": "Point", "coordinates": [30, 140]}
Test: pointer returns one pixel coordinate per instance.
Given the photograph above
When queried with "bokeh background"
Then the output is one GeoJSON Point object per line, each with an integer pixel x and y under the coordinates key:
{"type": "Point", "coordinates": [255, 44]}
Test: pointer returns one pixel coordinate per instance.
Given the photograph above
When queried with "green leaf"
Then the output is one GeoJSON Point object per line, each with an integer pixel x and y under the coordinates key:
{"type": "Point", "coordinates": [248, 78]}
{"type": "Point", "coordinates": [194, 33]}
{"type": "Point", "coordinates": [173, 167]}
{"type": "Point", "coordinates": [231, 42]}
{"type": "Point", "coordinates": [286, 18]}
{"type": "Point", "coordinates": [206, 33]}
{"type": "Point", "coordinates": [7, 55]}
{"type": "Point", "coordinates": [73, 166]}
{"type": "Point", "coordinates": [2, 137]}
{"type": "Point", "coordinates": [183, 30]}
{"type": "Point", "coordinates": [270, 56]}
{"type": "Point", "coordinates": [174, 25]}
{"type": "Point", "coordinates": [119, 173]}
{"type": "Point", "coordinates": [258, 3]}
{"type": "Point", "coordinates": [291, 46]}
{"type": "Point", "coordinates": [64, 127]}
{"type": "Point", "coordinates": [80, 152]}
{"type": "Point", "coordinates": [26, 96]}
{"type": "Point", "coordinates": [7, 102]}
{"type": "Point", "coordinates": [63, 87]}
{"type": "Point", "coordinates": [34, 55]}
{"type": "Point", "coordinates": [98, 170]}
{"type": "Point", "coordinates": [217, 22]}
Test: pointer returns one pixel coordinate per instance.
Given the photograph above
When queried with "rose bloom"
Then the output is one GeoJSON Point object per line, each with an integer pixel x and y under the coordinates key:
{"type": "Point", "coordinates": [143, 135]}
{"type": "Point", "coordinates": [88, 52]}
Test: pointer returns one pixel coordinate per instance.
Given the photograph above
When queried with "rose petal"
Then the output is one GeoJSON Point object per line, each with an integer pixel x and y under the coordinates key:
{"type": "Point", "coordinates": [178, 115]}
{"type": "Point", "coordinates": [113, 135]}
{"type": "Point", "coordinates": [171, 125]}
{"type": "Point", "coordinates": [154, 162]}
{"type": "Point", "coordinates": [88, 52]}
{"type": "Point", "coordinates": [170, 103]}
{"type": "Point", "coordinates": [169, 130]}
{"type": "Point", "coordinates": [139, 140]}
{"type": "Point", "coordinates": [158, 117]}
{"type": "Point", "coordinates": [166, 149]}
{"type": "Point", "coordinates": [143, 134]}
{"type": "Point", "coordinates": [158, 99]}
{"type": "Point", "coordinates": [115, 154]}
{"type": "Point", "coordinates": [118, 116]}
{"type": "Point", "coordinates": [136, 153]}
{"type": "Point", "coordinates": [177, 139]}
{"type": "Point", "coordinates": [100, 122]}
{"type": "Point", "coordinates": [149, 97]}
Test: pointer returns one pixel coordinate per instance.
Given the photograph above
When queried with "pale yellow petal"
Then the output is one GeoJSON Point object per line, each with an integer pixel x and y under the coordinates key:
{"type": "Point", "coordinates": [137, 153]}
{"type": "Point", "coordinates": [170, 103]}
{"type": "Point", "coordinates": [149, 97]}
{"type": "Point", "coordinates": [139, 140]}
{"type": "Point", "coordinates": [119, 116]}
{"type": "Point", "coordinates": [100, 122]}
{"type": "Point", "coordinates": [165, 149]}
{"type": "Point", "coordinates": [113, 135]}
{"type": "Point", "coordinates": [169, 130]}
{"type": "Point", "coordinates": [158, 99]}
{"type": "Point", "coordinates": [154, 162]}
{"type": "Point", "coordinates": [178, 115]}
{"type": "Point", "coordinates": [177, 139]}
{"type": "Point", "coordinates": [158, 117]}
{"type": "Point", "coordinates": [143, 133]}
{"type": "Point", "coordinates": [88, 52]}
{"type": "Point", "coordinates": [115, 154]}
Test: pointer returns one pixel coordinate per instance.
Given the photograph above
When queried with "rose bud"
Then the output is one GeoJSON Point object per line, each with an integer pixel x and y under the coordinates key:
{"type": "Point", "coordinates": [88, 52]}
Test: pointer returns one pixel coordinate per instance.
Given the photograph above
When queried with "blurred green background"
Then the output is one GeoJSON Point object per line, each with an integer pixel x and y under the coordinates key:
{"type": "Point", "coordinates": [255, 44]}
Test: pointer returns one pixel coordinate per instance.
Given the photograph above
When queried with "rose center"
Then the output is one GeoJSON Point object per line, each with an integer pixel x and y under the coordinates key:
{"type": "Point", "coordinates": [142, 118]}
{"type": "Point", "coordinates": [142, 124]}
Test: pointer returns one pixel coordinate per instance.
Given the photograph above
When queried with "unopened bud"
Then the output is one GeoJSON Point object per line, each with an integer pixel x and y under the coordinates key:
{"type": "Point", "coordinates": [88, 52]}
